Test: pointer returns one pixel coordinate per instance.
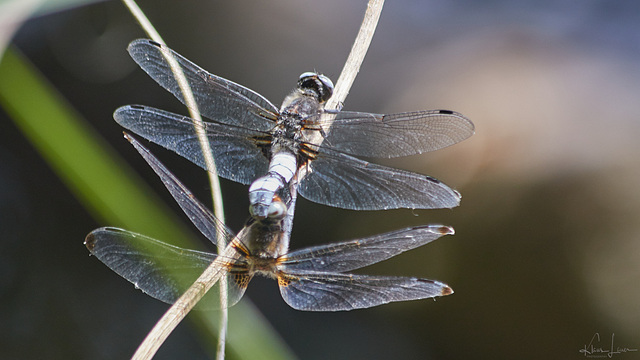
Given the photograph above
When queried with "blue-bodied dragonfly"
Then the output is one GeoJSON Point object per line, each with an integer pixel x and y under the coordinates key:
{"type": "Point", "coordinates": [311, 279]}
{"type": "Point", "coordinates": [255, 143]}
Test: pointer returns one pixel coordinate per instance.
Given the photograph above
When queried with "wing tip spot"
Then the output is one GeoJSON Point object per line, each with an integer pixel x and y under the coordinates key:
{"type": "Point", "coordinates": [90, 242]}
{"type": "Point", "coordinates": [446, 291]}
{"type": "Point", "coordinates": [444, 230]}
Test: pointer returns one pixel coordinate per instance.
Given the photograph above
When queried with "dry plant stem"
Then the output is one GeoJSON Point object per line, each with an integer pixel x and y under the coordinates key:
{"type": "Point", "coordinates": [213, 180]}
{"type": "Point", "coordinates": [357, 54]}
{"type": "Point", "coordinates": [12, 15]}
{"type": "Point", "coordinates": [212, 274]}
{"type": "Point", "coordinates": [341, 90]}
{"type": "Point", "coordinates": [191, 105]}
{"type": "Point", "coordinates": [181, 308]}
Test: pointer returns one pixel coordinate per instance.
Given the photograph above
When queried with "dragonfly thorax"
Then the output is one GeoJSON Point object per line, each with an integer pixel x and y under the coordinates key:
{"type": "Point", "coordinates": [302, 104]}
{"type": "Point", "coordinates": [286, 134]}
{"type": "Point", "coordinates": [264, 236]}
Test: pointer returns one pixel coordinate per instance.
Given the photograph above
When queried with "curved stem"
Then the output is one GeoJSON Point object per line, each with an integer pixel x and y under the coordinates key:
{"type": "Point", "coordinates": [212, 274]}
{"type": "Point", "coordinates": [341, 90]}
{"type": "Point", "coordinates": [214, 182]}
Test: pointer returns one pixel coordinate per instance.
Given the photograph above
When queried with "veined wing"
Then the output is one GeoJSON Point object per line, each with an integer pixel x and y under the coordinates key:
{"type": "Point", "coordinates": [354, 254]}
{"type": "Point", "coordinates": [217, 98]}
{"type": "Point", "coordinates": [200, 216]}
{"type": "Point", "coordinates": [346, 182]}
{"type": "Point", "coordinates": [160, 270]}
{"type": "Point", "coordinates": [235, 150]}
{"type": "Point", "coordinates": [317, 291]}
{"type": "Point", "coordinates": [394, 135]}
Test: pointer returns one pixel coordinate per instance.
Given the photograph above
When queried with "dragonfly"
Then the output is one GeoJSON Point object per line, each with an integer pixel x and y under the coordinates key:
{"type": "Point", "coordinates": [254, 142]}
{"type": "Point", "coordinates": [311, 279]}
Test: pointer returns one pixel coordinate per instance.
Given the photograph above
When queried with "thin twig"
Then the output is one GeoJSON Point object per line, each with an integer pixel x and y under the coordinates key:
{"type": "Point", "coordinates": [213, 180]}
{"type": "Point", "coordinates": [191, 106]}
{"type": "Point", "coordinates": [356, 56]}
{"type": "Point", "coordinates": [183, 305]}
{"type": "Point", "coordinates": [341, 90]}
{"type": "Point", "coordinates": [213, 273]}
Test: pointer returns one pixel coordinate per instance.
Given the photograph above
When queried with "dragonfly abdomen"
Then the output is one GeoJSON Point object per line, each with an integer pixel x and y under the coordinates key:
{"type": "Point", "coordinates": [281, 169]}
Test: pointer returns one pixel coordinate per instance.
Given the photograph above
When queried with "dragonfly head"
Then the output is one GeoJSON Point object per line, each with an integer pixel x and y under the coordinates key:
{"type": "Point", "coordinates": [316, 84]}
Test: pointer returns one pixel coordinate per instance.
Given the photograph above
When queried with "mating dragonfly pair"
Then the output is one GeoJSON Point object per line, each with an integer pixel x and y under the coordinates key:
{"type": "Point", "coordinates": [255, 143]}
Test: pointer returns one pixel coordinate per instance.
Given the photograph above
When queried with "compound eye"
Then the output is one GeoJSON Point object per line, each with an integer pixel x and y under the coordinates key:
{"type": "Point", "coordinates": [277, 210]}
{"type": "Point", "coordinates": [319, 85]}
{"type": "Point", "coordinates": [327, 84]}
{"type": "Point", "coordinates": [308, 80]}
{"type": "Point", "coordinates": [306, 75]}
{"type": "Point", "coordinates": [324, 88]}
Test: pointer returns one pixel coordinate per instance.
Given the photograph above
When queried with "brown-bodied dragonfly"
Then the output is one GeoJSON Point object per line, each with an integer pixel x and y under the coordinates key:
{"type": "Point", "coordinates": [311, 279]}
{"type": "Point", "coordinates": [254, 142]}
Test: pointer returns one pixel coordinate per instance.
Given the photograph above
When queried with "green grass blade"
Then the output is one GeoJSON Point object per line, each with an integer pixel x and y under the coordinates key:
{"type": "Point", "coordinates": [108, 188]}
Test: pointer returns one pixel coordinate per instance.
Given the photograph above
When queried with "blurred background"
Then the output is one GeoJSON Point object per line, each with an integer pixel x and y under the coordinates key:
{"type": "Point", "coordinates": [547, 246]}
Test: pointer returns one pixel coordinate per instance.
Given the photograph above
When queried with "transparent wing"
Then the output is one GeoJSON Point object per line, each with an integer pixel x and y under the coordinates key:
{"type": "Point", "coordinates": [236, 152]}
{"type": "Point", "coordinates": [354, 254]}
{"type": "Point", "coordinates": [212, 228]}
{"type": "Point", "coordinates": [346, 182]}
{"type": "Point", "coordinates": [217, 98]}
{"type": "Point", "coordinates": [160, 270]}
{"type": "Point", "coordinates": [311, 291]}
{"type": "Point", "coordinates": [387, 136]}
